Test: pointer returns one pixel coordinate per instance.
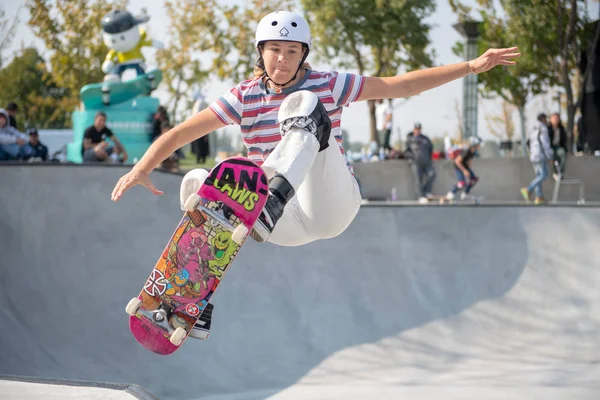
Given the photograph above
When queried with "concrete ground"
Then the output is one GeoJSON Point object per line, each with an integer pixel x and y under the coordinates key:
{"type": "Point", "coordinates": [456, 302]}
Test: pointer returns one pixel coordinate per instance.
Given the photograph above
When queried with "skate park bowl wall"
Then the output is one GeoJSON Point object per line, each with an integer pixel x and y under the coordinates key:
{"type": "Point", "coordinates": [499, 179]}
{"type": "Point", "coordinates": [420, 302]}
{"type": "Point", "coordinates": [131, 121]}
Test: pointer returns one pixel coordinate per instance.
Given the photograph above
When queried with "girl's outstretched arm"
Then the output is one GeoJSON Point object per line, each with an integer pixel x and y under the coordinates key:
{"type": "Point", "coordinates": [415, 82]}
{"type": "Point", "coordinates": [193, 128]}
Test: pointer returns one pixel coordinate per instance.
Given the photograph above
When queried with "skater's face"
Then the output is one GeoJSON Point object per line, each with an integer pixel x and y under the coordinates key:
{"type": "Point", "coordinates": [555, 120]}
{"type": "Point", "coordinates": [2, 121]}
{"type": "Point", "coordinates": [282, 59]}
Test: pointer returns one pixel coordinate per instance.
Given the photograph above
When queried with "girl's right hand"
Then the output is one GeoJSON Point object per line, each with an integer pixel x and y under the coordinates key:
{"type": "Point", "coordinates": [129, 180]}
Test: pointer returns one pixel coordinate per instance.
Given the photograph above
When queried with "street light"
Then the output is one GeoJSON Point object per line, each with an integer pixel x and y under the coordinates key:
{"type": "Point", "coordinates": [470, 31]}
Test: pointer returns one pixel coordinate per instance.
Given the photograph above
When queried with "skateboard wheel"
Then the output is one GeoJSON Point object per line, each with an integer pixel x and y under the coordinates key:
{"type": "Point", "coordinates": [239, 234]}
{"type": "Point", "coordinates": [178, 336]}
{"type": "Point", "coordinates": [192, 202]}
{"type": "Point", "coordinates": [133, 306]}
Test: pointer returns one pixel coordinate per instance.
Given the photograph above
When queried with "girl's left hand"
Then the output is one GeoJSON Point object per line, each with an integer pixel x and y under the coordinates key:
{"type": "Point", "coordinates": [493, 57]}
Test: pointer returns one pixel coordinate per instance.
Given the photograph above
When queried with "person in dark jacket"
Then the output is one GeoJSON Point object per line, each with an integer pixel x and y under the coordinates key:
{"type": "Point", "coordinates": [39, 150]}
{"type": "Point", "coordinates": [558, 143]}
{"type": "Point", "coordinates": [161, 118]}
{"type": "Point", "coordinates": [12, 109]}
{"type": "Point", "coordinates": [419, 150]}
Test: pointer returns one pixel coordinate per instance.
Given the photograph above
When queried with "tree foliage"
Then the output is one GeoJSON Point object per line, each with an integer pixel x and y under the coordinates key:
{"type": "Point", "coordinates": [71, 32]}
{"type": "Point", "coordinates": [550, 34]}
{"type": "Point", "coordinates": [27, 81]}
{"type": "Point", "coordinates": [377, 37]}
{"type": "Point", "coordinates": [193, 29]}
{"type": "Point", "coordinates": [8, 28]}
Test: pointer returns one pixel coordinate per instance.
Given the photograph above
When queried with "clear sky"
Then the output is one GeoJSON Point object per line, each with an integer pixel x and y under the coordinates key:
{"type": "Point", "coordinates": [435, 109]}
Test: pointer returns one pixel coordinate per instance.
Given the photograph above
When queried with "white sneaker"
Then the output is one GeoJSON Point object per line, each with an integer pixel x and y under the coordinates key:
{"type": "Point", "coordinates": [450, 196]}
{"type": "Point", "coordinates": [463, 196]}
{"type": "Point", "coordinates": [190, 184]}
{"type": "Point", "coordinates": [423, 200]}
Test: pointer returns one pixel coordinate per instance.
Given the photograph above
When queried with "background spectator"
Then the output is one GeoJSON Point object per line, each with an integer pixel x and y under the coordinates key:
{"type": "Point", "coordinates": [383, 118]}
{"type": "Point", "coordinates": [558, 142]}
{"type": "Point", "coordinates": [160, 117]}
{"type": "Point", "coordinates": [13, 144]}
{"type": "Point", "coordinates": [540, 153]}
{"type": "Point", "coordinates": [96, 147]}
{"type": "Point", "coordinates": [172, 162]}
{"type": "Point", "coordinates": [201, 146]}
{"type": "Point", "coordinates": [12, 109]}
{"type": "Point", "coordinates": [419, 150]}
{"type": "Point", "coordinates": [39, 150]}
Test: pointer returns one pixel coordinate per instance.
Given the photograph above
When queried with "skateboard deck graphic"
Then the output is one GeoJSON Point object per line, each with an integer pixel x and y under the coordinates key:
{"type": "Point", "coordinates": [198, 255]}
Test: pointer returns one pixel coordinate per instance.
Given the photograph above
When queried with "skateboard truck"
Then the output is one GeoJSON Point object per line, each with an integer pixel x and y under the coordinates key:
{"type": "Point", "coordinates": [160, 316]}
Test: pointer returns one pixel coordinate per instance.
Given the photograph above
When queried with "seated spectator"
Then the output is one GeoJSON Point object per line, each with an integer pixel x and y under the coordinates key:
{"type": "Point", "coordinates": [39, 150]}
{"type": "Point", "coordinates": [12, 109]}
{"type": "Point", "coordinates": [96, 147]}
{"type": "Point", "coordinates": [13, 144]}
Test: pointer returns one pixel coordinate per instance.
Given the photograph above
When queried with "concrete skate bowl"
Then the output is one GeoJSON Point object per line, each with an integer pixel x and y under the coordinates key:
{"type": "Point", "coordinates": [428, 302]}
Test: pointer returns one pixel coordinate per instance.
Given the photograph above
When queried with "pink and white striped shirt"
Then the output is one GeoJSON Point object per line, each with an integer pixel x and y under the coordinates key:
{"type": "Point", "coordinates": [254, 107]}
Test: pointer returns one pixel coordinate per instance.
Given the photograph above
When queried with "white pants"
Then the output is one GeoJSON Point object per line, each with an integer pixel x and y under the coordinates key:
{"type": "Point", "coordinates": [327, 195]}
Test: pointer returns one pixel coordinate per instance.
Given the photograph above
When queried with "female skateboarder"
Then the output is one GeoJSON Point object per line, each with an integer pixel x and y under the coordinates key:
{"type": "Point", "coordinates": [290, 121]}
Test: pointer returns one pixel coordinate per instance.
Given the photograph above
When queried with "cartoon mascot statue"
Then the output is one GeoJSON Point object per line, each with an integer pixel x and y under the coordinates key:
{"type": "Point", "coordinates": [125, 38]}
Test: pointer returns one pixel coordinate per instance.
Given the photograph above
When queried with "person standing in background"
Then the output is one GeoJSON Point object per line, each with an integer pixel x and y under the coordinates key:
{"type": "Point", "coordinates": [383, 118]}
{"type": "Point", "coordinates": [539, 154]}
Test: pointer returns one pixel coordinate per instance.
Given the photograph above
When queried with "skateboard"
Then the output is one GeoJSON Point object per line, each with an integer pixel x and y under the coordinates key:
{"type": "Point", "coordinates": [100, 95]}
{"type": "Point", "coordinates": [204, 245]}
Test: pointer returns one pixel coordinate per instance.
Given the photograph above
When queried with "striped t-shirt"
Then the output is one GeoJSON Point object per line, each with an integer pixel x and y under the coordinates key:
{"type": "Point", "coordinates": [254, 107]}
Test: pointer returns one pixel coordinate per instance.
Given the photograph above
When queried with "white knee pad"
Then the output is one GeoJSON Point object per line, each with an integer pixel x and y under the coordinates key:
{"type": "Point", "coordinates": [304, 110]}
{"type": "Point", "coordinates": [190, 184]}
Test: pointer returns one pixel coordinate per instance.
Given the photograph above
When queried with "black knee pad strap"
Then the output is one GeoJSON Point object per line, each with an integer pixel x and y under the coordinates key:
{"type": "Point", "coordinates": [318, 123]}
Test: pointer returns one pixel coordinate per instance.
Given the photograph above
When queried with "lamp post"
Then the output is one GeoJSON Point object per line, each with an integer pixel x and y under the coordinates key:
{"type": "Point", "coordinates": [470, 31]}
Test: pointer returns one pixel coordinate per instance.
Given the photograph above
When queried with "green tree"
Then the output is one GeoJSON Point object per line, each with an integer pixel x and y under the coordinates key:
{"type": "Point", "coordinates": [517, 84]}
{"type": "Point", "coordinates": [8, 29]}
{"type": "Point", "coordinates": [193, 30]}
{"type": "Point", "coordinates": [27, 81]}
{"type": "Point", "coordinates": [378, 37]}
{"type": "Point", "coordinates": [71, 31]}
{"type": "Point", "coordinates": [551, 35]}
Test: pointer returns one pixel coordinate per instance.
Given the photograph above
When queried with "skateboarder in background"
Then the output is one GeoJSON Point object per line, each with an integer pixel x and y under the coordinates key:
{"type": "Point", "coordinates": [294, 131]}
{"type": "Point", "coordinates": [462, 167]}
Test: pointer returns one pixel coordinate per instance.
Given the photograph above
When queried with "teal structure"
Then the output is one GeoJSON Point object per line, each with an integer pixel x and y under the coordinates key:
{"type": "Point", "coordinates": [129, 114]}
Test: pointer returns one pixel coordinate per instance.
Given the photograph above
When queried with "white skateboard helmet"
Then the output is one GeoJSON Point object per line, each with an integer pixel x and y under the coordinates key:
{"type": "Point", "coordinates": [283, 25]}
